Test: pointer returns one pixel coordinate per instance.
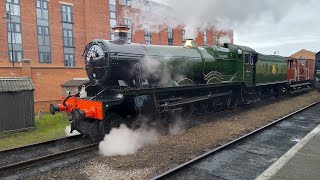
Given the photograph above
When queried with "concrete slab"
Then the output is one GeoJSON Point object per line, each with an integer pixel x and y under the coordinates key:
{"type": "Point", "coordinates": [301, 166]}
{"type": "Point", "coordinates": [312, 148]}
{"type": "Point", "coordinates": [300, 162]}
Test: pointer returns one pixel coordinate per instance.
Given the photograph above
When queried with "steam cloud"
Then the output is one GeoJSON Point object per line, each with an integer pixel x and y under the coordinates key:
{"type": "Point", "coordinates": [196, 16]}
{"type": "Point", "coordinates": [67, 131]}
{"type": "Point", "coordinates": [124, 141]}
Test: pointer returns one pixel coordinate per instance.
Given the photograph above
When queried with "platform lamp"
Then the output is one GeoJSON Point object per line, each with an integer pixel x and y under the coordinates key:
{"type": "Point", "coordinates": [8, 19]}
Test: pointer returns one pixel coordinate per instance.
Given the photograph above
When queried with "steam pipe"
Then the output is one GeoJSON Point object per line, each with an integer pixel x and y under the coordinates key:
{"type": "Point", "coordinates": [65, 100]}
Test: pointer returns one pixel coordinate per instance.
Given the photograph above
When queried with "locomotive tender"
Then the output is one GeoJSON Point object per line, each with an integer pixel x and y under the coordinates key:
{"type": "Point", "coordinates": [130, 80]}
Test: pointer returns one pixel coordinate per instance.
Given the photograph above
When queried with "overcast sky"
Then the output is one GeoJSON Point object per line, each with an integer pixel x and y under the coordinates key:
{"type": "Point", "coordinates": [267, 26]}
{"type": "Point", "coordinates": [298, 29]}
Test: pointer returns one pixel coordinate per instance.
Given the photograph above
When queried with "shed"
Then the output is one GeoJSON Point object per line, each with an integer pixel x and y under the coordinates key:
{"type": "Point", "coordinates": [16, 104]}
{"type": "Point", "coordinates": [73, 86]}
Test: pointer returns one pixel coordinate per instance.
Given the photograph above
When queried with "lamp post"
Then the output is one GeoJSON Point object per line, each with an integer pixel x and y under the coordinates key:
{"type": "Point", "coordinates": [9, 18]}
{"type": "Point", "coordinates": [277, 52]}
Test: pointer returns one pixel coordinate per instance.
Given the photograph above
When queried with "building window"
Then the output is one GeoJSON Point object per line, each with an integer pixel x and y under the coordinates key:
{"type": "Point", "coordinates": [44, 57]}
{"type": "Point", "coordinates": [216, 40]}
{"type": "Point", "coordinates": [66, 13]}
{"type": "Point", "coordinates": [170, 36]}
{"type": "Point", "coordinates": [128, 23]}
{"type": "Point", "coordinates": [147, 35]}
{"type": "Point", "coordinates": [113, 17]}
{"type": "Point", "coordinates": [43, 36]}
{"type": "Point", "coordinates": [69, 60]}
{"type": "Point", "coordinates": [44, 49]}
{"type": "Point", "coordinates": [42, 9]}
{"type": "Point", "coordinates": [17, 56]}
{"type": "Point", "coordinates": [13, 6]}
{"type": "Point", "coordinates": [127, 2]}
{"type": "Point", "coordinates": [67, 38]}
{"type": "Point", "coordinates": [205, 38]}
{"type": "Point", "coordinates": [16, 33]}
{"type": "Point", "coordinates": [146, 6]}
{"type": "Point", "coordinates": [183, 35]}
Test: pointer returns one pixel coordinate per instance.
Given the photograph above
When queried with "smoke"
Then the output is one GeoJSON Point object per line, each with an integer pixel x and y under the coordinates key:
{"type": "Point", "coordinates": [124, 141]}
{"type": "Point", "coordinates": [195, 16]}
{"type": "Point", "coordinates": [68, 129]}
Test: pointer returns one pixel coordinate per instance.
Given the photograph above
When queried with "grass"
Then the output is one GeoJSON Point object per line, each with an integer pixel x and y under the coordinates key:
{"type": "Point", "coordinates": [48, 128]}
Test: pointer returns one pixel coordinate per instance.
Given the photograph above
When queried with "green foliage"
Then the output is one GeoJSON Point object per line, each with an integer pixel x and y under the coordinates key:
{"type": "Point", "coordinates": [48, 128]}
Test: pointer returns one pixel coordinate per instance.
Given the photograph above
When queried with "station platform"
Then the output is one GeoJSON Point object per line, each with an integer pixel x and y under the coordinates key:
{"type": "Point", "coordinates": [301, 162]}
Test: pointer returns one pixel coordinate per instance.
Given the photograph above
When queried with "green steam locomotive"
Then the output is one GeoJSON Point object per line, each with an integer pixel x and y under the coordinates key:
{"type": "Point", "coordinates": [128, 81]}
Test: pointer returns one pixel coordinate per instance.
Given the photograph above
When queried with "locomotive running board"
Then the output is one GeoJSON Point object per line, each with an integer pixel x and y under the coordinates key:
{"type": "Point", "coordinates": [197, 99]}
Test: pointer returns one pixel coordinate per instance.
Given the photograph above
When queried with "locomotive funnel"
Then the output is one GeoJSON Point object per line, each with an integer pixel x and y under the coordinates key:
{"type": "Point", "coordinates": [121, 32]}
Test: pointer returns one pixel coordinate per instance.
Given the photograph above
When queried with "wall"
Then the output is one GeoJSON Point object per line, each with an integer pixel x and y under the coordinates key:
{"type": "Point", "coordinates": [304, 54]}
{"type": "Point", "coordinates": [90, 21]}
{"type": "Point", "coordinates": [47, 81]}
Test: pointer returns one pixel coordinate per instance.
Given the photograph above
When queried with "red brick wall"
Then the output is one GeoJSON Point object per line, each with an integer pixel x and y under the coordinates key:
{"type": "Point", "coordinates": [91, 20]}
{"type": "Point", "coordinates": [29, 30]}
{"type": "Point", "coordinates": [10, 71]}
{"type": "Point", "coordinates": [46, 80]}
{"type": "Point", "coordinates": [47, 83]}
{"type": "Point", "coordinates": [96, 19]}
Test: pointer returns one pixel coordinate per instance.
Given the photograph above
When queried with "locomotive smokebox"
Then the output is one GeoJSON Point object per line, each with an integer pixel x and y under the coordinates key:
{"type": "Point", "coordinates": [121, 33]}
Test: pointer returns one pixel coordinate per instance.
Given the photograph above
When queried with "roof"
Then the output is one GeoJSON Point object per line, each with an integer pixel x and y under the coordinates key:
{"type": "Point", "coordinates": [304, 54]}
{"type": "Point", "coordinates": [75, 83]}
{"type": "Point", "coordinates": [243, 48]}
{"type": "Point", "coordinates": [15, 84]}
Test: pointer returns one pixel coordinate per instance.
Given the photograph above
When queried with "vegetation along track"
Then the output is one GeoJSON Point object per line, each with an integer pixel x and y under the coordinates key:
{"type": "Point", "coordinates": [13, 160]}
{"type": "Point", "coordinates": [248, 156]}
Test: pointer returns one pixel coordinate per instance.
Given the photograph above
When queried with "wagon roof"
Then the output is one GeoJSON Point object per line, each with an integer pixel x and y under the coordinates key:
{"type": "Point", "coordinates": [15, 84]}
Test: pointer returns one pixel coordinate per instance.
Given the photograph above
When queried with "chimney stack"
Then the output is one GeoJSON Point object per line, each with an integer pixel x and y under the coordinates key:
{"type": "Point", "coordinates": [121, 33]}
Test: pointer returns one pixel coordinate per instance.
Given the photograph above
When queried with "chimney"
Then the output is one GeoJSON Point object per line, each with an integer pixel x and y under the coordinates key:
{"type": "Point", "coordinates": [25, 67]}
{"type": "Point", "coordinates": [121, 33]}
{"type": "Point", "coordinates": [190, 43]}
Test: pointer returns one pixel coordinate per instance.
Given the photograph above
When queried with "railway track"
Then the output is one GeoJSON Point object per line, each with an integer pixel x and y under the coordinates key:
{"type": "Point", "coordinates": [248, 156]}
{"type": "Point", "coordinates": [36, 155]}
{"type": "Point", "coordinates": [46, 153]}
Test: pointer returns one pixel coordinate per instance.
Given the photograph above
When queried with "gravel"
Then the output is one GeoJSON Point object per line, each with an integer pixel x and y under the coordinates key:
{"type": "Point", "coordinates": [174, 150]}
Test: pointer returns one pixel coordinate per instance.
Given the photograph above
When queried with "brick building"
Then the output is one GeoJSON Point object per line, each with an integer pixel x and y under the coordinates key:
{"type": "Point", "coordinates": [53, 33]}
{"type": "Point", "coordinates": [304, 54]}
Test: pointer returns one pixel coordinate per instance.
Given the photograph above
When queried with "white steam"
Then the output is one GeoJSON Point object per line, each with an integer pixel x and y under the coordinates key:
{"type": "Point", "coordinates": [225, 39]}
{"type": "Point", "coordinates": [125, 141]}
{"type": "Point", "coordinates": [178, 127]}
{"type": "Point", "coordinates": [68, 129]}
{"type": "Point", "coordinates": [195, 16]}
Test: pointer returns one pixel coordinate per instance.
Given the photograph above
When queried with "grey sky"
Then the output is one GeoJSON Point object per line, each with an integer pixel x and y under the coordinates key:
{"type": "Point", "coordinates": [264, 25]}
{"type": "Point", "coordinates": [298, 29]}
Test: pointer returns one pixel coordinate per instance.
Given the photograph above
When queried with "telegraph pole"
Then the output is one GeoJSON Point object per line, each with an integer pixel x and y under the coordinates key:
{"type": "Point", "coordinates": [9, 18]}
